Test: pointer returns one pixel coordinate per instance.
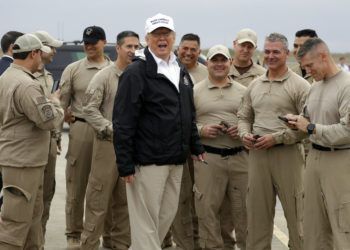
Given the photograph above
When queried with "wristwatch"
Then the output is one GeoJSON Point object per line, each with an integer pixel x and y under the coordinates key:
{"type": "Point", "coordinates": [310, 128]}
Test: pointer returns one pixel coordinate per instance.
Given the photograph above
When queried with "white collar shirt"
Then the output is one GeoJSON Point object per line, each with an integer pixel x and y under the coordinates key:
{"type": "Point", "coordinates": [170, 69]}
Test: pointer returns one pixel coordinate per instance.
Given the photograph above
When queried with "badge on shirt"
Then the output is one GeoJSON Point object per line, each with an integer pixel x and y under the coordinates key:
{"type": "Point", "coordinates": [41, 100]}
{"type": "Point", "coordinates": [47, 112]}
{"type": "Point", "coordinates": [186, 80]}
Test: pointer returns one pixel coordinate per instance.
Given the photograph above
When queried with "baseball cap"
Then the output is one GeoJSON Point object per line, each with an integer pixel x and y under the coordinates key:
{"type": "Point", "coordinates": [29, 42]}
{"type": "Point", "coordinates": [93, 34]}
{"type": "Point", "coordinates": [218, 49]}
{"type": "Point", "coordinates": [47, 39]}
{"type": "Point", "coordinates": [158, 21]}
{"type": "Point", "coordinates": [247, 35]}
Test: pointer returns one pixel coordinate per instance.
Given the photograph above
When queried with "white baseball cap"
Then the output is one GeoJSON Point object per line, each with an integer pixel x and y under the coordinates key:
{"type": "Point", "coordinates": [218, 49]}
{"type": "Point", "coordinates": [159, 21]}
{"type": "Point", "coordinates": [47, 39]}
{"type": "Point", "coordinates": [247, 35]}
{"type": "Point", "coordinates": [29, 42]}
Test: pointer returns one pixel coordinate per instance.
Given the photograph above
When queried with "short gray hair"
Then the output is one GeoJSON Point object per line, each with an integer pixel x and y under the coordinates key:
{"type": "Point", "coordinates": [277, 37]}
{"type": "Point", "coordinates": [308, 46]}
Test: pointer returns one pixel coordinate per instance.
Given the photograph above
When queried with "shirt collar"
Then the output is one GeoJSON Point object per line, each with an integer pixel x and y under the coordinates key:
{"type": "Point", "coordinates": [16, 66]}
{"type": "Point", "coordinates": [281, 79]}
{"type": "Point", "coordinates": [8, 57]}
{"type": "Point", "coordinates": [92, 65]}
{"type": "Point", "coordinates": [160, 61]}
{"type": "Point", "coordinates": [213, 86]}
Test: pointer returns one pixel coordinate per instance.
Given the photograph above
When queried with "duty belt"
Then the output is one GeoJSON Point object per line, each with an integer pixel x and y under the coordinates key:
{"type": "Point", "coordinates": [223, 151]}
{"type": "Point", "coordinates": [78, 119]}
{"type": "Point", "coordinates": [321, 148]}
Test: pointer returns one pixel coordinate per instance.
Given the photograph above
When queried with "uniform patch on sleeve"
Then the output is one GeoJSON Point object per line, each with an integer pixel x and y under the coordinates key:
{"type": "Point", "coordinates": [41, 100]}
{"type": "Point", "coordinates": [47, 112]}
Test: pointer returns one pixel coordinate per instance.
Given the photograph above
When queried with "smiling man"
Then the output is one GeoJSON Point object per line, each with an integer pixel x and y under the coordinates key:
{"type": "Point", "coordinates": [154, 131]}
{"type": "Point", "coordinates": [301, 36]}
{"type": "Point", "coordinates": [217, 99]}
{"type": "Point", "coordinates": [46, 81]}
{"type": "Point", "coordinates": [74, 81]}
{"type": "Point", "coordinates": [275, 160]}
{"type": "Point", "coordinates": [188, 54]}
{"type": "Point", "coordinates": [105, 187]}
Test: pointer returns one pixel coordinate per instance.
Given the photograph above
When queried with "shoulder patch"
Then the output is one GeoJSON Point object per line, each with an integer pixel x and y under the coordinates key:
{"type": "Point", "coordinates": [47, 111]}
{"type": "Point", "coordinates": [41, 100]}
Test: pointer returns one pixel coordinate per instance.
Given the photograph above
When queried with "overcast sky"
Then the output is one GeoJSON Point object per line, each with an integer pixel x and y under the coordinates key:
{"type": "Point", "coordinates": [215, 21]}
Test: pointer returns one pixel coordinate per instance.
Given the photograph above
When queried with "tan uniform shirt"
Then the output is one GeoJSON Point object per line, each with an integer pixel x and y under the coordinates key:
{"type": "Point", "coordinates": [99, 98]}
{"type": "Point", "coordinates": [74, 81]}
{"type": "Point", "coordinates": [215, 104]}
{"type": "Point", "coordinates": [328, 106]}
{"type": "Point", "coordinates": [26, 116]}
{"type": "Point", "coordinates": [198, 73]}
{"type": "Point", "coordinates": [297, 69]}
{"type": "Point", "coordinates": [245, 79]}
{"type": "Point", "coordinates": [265, 100]}
{"type": "Point", "coordinates": [45, 79]}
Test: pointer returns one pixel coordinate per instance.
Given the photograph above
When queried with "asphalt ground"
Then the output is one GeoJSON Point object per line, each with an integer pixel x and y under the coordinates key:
{"type": "Point", "coordinates": [56, 240]}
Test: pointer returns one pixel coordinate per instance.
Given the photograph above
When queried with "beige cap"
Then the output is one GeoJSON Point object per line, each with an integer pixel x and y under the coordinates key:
{"type": "Point", "coordinates": [247, 35]}
{"type": "Point", "coordinates": [218, 49]}
{"type": "Point", "coordinates": [159, 21]}
{"type": "Point", "coordinates": [47, 39]}
{"type": "Point", "coordinates": [29, 42]}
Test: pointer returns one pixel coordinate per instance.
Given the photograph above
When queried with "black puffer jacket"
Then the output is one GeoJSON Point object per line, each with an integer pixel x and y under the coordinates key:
{"type": "Point", "coordinates": [153, 122]}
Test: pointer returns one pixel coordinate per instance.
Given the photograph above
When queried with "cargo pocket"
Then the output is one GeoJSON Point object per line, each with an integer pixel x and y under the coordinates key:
{"type": "Point", "coordinates": [239, 208]}
{"type": "Point", "coordinates": [16, 204]}
{"type": "Point", "coordinates": [187, 222]}
{"type": "Point", "coordinates": [70, 176]}
{"type": "Point", "coordinates": [89, 228]}
{"type": "Point", "coordinates": [344, 214]}
{"type": "Point", "coordinates": [93, 195]}
{"type": "Point", "coordinates": [121, 192]}
{"type": "Point", "coordinates": [200, 210]}
{"type": "Point", "coordinates": [299, 209]}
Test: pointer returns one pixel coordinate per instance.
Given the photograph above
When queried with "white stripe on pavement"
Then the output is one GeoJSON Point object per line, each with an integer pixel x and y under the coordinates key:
{"type": "Point", "coordinates": [280, 235]}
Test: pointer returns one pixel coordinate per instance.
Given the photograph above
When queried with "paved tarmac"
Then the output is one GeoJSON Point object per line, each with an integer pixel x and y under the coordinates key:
{"type": "Point", "coordinates": [55, 238]}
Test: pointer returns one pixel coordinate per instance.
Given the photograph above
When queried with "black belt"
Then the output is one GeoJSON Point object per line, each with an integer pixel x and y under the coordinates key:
{"type": "Point", "coordinates": [321, 148]}
{"type": "Point", "coordinates": [79, 119]}
{"type": "Point", "coordinates": [223, 151]}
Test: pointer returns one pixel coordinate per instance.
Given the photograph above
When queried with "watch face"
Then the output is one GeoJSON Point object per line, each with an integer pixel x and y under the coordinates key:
{"type": "Point", "coordinates": [310, 128]}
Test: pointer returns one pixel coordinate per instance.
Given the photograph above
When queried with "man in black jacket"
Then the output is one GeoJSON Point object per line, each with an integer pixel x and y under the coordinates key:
{"type": "Point", "coordinates": [154, 131]}
{"type": "Point", "coordinates": [7, 42]}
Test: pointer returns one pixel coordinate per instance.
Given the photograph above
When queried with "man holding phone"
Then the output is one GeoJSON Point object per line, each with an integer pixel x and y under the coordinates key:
{"type": "Point", "coordinates": [275, 161]}
{"type": "Point", "coordinates": [45, 79]}
{"type": "Point", "coordinates": [225, 174]}
{"type": "Point", "coordinates": [326, 119]}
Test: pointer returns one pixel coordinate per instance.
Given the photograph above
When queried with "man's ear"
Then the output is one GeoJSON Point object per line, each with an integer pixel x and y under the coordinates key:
{"type": "Point", "coordinates": [10, 49]}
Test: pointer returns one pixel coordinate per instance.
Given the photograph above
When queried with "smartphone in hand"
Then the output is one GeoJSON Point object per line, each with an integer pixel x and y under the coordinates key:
{"type": "Point", "coordinates": [283, 118]}
{"type": "Point", "coordinates": [55, 86]}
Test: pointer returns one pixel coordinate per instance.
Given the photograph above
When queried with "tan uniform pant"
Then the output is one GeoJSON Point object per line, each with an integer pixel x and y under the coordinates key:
{"type": "Point", "coordinates": [222, 176]}
{"type": "Point", "coordinates": [152, 201]}
{"type": "Point", "coordinates": [20, 226]}
{"type": "Point", "coordinates": [79, 155]}
{"type": "Point", "coordinates": [182, 228]}
{"type": "Point", "coordinates": [227, 226]}
{"type": "Point", "coordinates": [277, 170]}
{"type": "Point", "coordinates": [49, 183]}
{"type": "Point", "coordinates": [327, 200]}
{"type": "Point", "coordinates": [105, 187]}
